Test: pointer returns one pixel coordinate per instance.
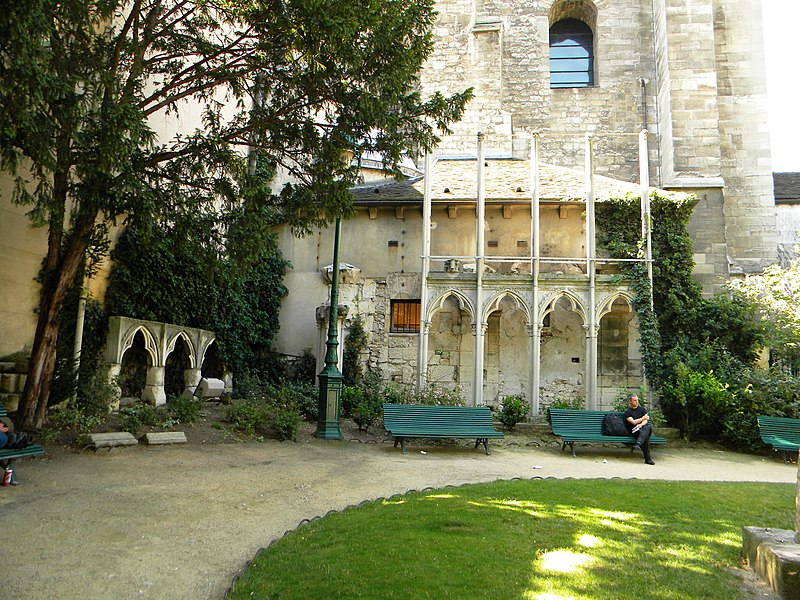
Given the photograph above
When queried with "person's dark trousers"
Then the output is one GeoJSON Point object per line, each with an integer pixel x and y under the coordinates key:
{"type": "Point", "coordinates": [643, 440]}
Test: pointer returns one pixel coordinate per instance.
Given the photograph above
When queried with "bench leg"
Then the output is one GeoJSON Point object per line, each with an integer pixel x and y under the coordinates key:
{"type": "Point", "coordinates": [403, 445]}
{"type": "Point", "coordinates": [485, 442]}
{"type": "Point", "coordinates": [572, 447]}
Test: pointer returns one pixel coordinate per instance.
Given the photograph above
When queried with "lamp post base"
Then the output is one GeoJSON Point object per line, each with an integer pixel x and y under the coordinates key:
{"type": "Point", "coordinates": [330, 392]}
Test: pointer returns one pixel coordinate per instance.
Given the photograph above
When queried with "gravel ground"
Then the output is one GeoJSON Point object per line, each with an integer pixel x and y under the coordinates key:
{"type": "Point", "coordinates": [182, 521]}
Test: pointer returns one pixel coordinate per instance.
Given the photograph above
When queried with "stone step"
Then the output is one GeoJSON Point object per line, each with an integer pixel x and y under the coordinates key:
{"type": "Point", "coordinates": [165, 437]}
{"type": "Point", "coordinates": [775, 557]}
{"type": "Point", "coordinates": [108, 440]}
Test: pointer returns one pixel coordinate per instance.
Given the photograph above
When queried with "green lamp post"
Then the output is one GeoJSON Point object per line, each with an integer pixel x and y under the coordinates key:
{"type": "Point", "coordinates": [330, 379]}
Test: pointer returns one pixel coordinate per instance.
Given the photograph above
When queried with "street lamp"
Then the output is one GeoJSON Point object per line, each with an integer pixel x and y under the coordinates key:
{"type": "Point", "coordinates": [330, 379]}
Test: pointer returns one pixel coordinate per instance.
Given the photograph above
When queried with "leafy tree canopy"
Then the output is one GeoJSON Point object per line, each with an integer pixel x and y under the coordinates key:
{"type": "Point", "coordinates": [86, 84]}
{"type": "Point", "coordinates": [776, 294]}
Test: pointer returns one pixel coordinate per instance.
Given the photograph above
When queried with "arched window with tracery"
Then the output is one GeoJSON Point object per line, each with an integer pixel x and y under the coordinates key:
{"type": "Point", "coordinates": [571, 54]}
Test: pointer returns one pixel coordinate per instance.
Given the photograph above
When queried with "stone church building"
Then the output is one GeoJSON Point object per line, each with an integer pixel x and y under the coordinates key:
{"type": "Point", "coordinates": [481, 272]}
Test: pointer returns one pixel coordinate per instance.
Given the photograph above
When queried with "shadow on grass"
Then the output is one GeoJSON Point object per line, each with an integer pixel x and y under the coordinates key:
{"type": "Point", "coordinates": [539, 539]}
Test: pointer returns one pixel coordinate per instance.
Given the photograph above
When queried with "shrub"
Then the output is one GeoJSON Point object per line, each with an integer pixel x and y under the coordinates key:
{"type": "Point", "coordinates": [351, 397]}
{"type": "Point", "coordinates": [397, 394]}
{"type": "Point", "coordinates": [185, 409]}
{"type": "Point", "coordinates": [574, 404]}
{"type": "Point", "coordinates": [354, 344]}
{"type": "Point", "coordinates": [440, 396]}
{"type": "Point", "coordinates": [285, 422]}
{"type": "Point", "coordinates": [305, 367]}
{"type": "Point", "coordinates": [302, 397]}
{"type": "Point", "coordinates": [699, 400]}
{"type": "Point", "coordinates": [514, 409]}
{"type": "Point", "coordinates": [141, 414]}
{"type": "Point", "coordinates": [368, 408]}
{"type": "Point", "coordinates": [248, 414]}
{"type": "Point", "coordinates": [68, 417]}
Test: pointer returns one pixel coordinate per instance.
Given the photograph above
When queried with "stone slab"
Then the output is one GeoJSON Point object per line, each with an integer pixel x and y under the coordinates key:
{"type": "Point", "coordinates": [775, 557]}
{"type": "Point", "coordinates": [210, 388]}
{"type": "Point", "coordinates": [109, 440]}
{"type": "Point", "coordinates": [165, 437]}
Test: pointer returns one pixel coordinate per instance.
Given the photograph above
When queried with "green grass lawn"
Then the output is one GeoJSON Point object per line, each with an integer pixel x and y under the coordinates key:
{"type": "Point", "coordinates": [537, 539]}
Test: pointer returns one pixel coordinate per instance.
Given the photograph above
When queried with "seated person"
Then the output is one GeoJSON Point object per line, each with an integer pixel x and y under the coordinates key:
{"type": "Point", "coordinates": [13, 441]}
{"type": "Point", "coordinates": [638, 423]}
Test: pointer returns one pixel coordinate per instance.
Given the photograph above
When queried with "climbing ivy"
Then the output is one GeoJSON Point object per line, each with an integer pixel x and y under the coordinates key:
{"type": "Point", "coordinates": [681, 318]}
{"type": "Point", "coordinates": [180, 272]}
{"type": "Point", "coordinates": [674, 292]}
{"type": "Point", "coordinates": [354, 344]}
{"type": "Point", "coordinates": [698, 353]}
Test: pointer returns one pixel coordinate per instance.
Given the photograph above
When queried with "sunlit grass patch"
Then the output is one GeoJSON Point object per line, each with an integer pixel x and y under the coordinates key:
{"type": "Point", "coordinates": [538, 539]}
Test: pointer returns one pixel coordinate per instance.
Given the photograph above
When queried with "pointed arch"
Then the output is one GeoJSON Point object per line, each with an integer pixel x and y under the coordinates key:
{"type": "Point", "coordinates": [150, 345]}
{"type": "Point", "coordinates": [494, 304]}
{"type": "Point", "coordinates": [202, 349]}
{"type": "Point", "coordinates": [189, 346]}
{"type": "Point", "coordinates": [576, 304]}
{"type": "Point", "coordinates": [437, 303]}
{"type": "Point", "coordinates": [605, 307]}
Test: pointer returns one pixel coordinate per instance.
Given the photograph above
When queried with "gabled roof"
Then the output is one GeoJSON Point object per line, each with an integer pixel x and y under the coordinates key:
{"type": "Point", "coordinates": [506, 180]}
{"type": "Point", "coordinates": [787, 187]}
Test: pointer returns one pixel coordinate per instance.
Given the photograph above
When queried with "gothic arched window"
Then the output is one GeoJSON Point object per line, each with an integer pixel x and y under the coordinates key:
{"type": "Point", "coordinates": [571, 54]}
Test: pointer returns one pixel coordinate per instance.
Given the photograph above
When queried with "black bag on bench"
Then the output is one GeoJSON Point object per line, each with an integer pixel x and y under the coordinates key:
{"type": "Point", "coordinates": [614, 425]}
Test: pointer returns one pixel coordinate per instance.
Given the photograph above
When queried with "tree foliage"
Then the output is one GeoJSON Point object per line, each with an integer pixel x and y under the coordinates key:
{"type": "Point", "coordinates": [86, 84]}
{"type": "Point", "coordinates": [776, 294]}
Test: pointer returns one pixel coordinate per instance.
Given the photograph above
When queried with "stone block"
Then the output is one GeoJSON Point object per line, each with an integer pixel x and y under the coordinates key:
{"type": "Point", "coordinates": [775, 557]}
{"type": "Point", "coordinates": [165, 437]}
{"type": "Point", "coordinates": [210, 388]}
{"type": "Point", "coordinates": [108, 440]}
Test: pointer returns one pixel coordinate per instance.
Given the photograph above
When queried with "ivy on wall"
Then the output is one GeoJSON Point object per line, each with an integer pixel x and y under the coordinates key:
{"type": "Point", "coordinates": [674, 292]}
{"type": "Point", "coordinates": [682, 318]}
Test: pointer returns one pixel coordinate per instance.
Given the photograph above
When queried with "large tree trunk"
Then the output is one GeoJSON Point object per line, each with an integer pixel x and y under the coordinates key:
{"type": "Point", "coordinates": [59, 276]}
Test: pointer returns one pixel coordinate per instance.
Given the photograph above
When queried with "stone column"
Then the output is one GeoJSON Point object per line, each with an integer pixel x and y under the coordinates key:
{"type": "Point", "coordinates": [154, 387]}
{"type": "Point", "coordinates": [590, 385]}
{"type": "Point", "coordinates": [535, 332]}
{"type": "Point", "coordinates": [191, 379]}
{"type": "Point", "coordinates": [114, 370]}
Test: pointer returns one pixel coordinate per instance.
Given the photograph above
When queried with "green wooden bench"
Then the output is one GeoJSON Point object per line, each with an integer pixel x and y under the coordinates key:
{"type": "Point", "coordinates": [422, 421]}
{"type": "Point", "coordinates": [8, 456]}
{"type": "Point", "coordinates": [781, 433]}
{"type": "Point", "coordinates": [587, 426]}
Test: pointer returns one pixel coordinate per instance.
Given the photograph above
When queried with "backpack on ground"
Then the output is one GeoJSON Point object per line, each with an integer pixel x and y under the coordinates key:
{"type": "Point", "coordinates": [614, 425]}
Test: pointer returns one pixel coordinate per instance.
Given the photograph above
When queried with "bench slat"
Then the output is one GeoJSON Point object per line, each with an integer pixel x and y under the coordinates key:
{"type": "Point", "coordinates": [424, 421]}
{"type": "Point", "coordinates": [781, 433]}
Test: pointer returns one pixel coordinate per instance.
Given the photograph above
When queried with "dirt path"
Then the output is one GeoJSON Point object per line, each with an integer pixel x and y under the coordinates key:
{"type": "Point", "coordinates": [181, 521]}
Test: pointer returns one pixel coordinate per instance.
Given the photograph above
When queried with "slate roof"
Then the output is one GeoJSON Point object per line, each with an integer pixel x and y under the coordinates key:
{"type": "Point", "coordinates": [505, 180]}
{"type": "Point", "coordinates": [787, 187]}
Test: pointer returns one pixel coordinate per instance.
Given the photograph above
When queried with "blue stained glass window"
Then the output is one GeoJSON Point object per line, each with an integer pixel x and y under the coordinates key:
{"type": "Point", "coordinates": [571, 54]}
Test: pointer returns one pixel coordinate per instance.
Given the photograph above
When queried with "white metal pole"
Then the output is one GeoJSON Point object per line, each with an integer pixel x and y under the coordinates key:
{"type": "Point", "coordinates": [644, 182]}
{"type": "Point", "coordinates": [422, 354]}
{"type": "Point", "coordinates": [536, 330]}
{"type": "Point", "coordinates": [480, 214]}
{"type": "Point", "coordinates": [591, 325]}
